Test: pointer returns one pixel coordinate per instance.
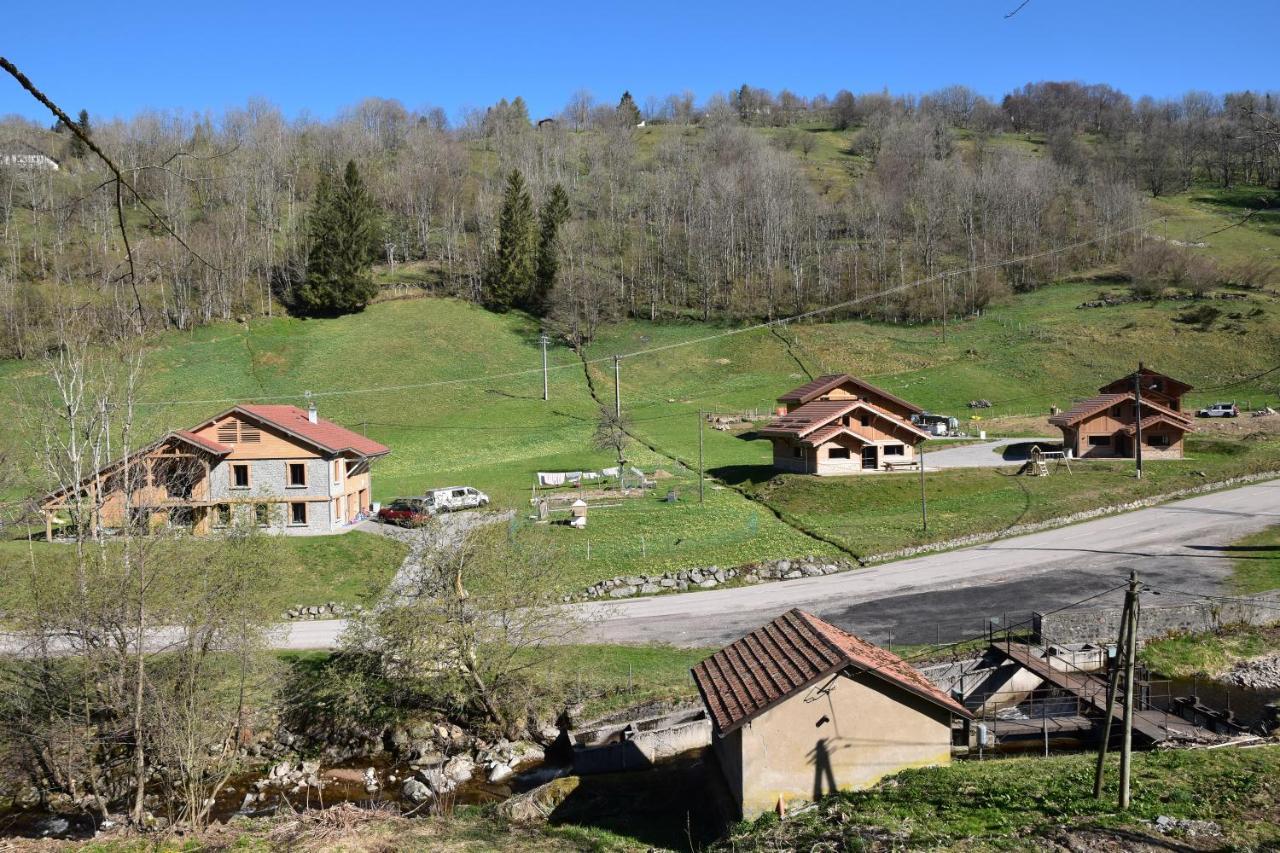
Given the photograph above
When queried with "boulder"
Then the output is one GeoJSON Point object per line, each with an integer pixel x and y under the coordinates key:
{"type": "Point", "coordinates": [281, 770]}
{"type": "Point", "coordinates": [622, 592]}
{"type": "Point", "coordinates": [649, 588]}
{"type": "Point", "coordinates": [500, 773]}
{"type": "Point", "coordinates": [416, 791]}
{"type": "Point", "coordinates": [793, 574]}
{"type": "Point", "coordinates": [708, 583]}
{"type": "Point", "coordinates": [459, 769]}
{"type": "Point", "coordinates": [535, 805]}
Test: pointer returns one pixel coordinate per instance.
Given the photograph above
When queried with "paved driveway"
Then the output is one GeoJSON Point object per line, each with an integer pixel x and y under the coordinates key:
{"type": "Point", "coordinates": [989, 454]}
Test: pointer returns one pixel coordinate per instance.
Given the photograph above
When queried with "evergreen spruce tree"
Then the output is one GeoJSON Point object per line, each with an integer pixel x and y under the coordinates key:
{"type": "Point", "coordinates": [346, 236]}
{"type": "Point", "coordinates": [510, 276]}
{"type": "Point", "coordinates": [78, 148]}
{"type": "Point", "coordinates": [628, 112]}
{"type": "Point", "coordinates": [553, 214]}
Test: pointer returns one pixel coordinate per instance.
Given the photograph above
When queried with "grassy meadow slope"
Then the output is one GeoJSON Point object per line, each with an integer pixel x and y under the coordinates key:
{"type": "Point", "coordinates": [400, 367]}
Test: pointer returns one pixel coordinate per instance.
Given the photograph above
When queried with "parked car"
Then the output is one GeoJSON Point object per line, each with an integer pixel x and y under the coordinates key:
{"type": "Point", "coordinates": [406, 512]}
{"type": "Point", "coordinates": [1220, 410]}
{"type": "Point", "coordinates": [455, 498]}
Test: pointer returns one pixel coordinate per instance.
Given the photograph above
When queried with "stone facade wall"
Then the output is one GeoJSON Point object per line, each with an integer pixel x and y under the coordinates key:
{"type": "Point", "coordinates": [1102, 625]}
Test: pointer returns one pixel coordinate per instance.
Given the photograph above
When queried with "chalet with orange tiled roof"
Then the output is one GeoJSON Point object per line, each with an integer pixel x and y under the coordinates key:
{"type": "Point", "coordinates": [801, 708]}
{"type": "Point", "coordinates": [1106, 426]}
{"type": "Point", "coordinates": [839, 424]}
{"type": "Point", "coordinates": [275, 467]}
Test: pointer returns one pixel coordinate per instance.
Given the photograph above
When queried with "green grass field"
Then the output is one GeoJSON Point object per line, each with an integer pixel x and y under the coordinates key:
{"type": "Point", "coordinates": [1023, 803]}
{"type": "Point", "coordinates": [455, 391]}
{"type": "Point", "coordinates": [349, 568]}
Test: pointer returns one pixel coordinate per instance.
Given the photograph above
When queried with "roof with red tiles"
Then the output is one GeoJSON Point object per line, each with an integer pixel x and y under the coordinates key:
{"type": "Point", "coordinates": [1085, 408]}
{"type": "Point", "coordinates": [1093, 405]}
{"type": "Point", "coordinates": [324, 434]}
{"type": "Point", "coordinates": [821, 418]}
{"type": "Point", "coordinates": [778, 660]}
{"type": "Point", "coordinates": [1159, 417]}
{"type": "Point", "coordinates": [825, 384]}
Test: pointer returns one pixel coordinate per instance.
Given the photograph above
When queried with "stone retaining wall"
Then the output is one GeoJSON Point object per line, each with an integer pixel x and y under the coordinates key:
{"type": "Point", "coordinates": [1102, 625]}
{"type": "Point", "coordinates": [710, 577]}
{"type": "Point", "coordinates": [627, 586]}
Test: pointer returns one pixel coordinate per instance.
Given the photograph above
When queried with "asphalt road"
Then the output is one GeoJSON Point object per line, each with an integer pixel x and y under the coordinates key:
{"type": "Point", "coordinates": [950, 596]}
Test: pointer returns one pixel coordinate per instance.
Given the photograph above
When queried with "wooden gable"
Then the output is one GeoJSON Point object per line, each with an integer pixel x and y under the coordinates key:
{"type": "Point", "coordinates": [253, 440]}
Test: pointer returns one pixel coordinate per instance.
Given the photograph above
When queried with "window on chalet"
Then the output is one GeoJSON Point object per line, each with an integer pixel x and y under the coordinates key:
{"type": "Point", "coordinates": [1157, 439]}
{"type": "Point", "coordinates": [222, 515]}
{"type": "Point", "coordinates": [895, 450]}
{"type": "Point", "coordinates": [797, 452]}
{"type": "Point", "coordinates": [1099, 440]}
{"type": "Point", "coordinates": [337, 471]}
{"type": "Point", "coordinates": [838, 453]}
{"type": "Point", "coordinates": [262, 514]}
{"type": "Point", "coordinates": [297, 514]}
{"type": "Point", "coordinates": [865, 420]}
{"type": "Point", "coordinates": [240, 476]}
{"type": "Point", "coordinates": [297, 474]}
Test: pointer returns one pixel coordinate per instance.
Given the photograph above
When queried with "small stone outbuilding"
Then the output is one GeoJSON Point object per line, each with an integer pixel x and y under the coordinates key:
{"type": "Point", "coordinates": [801, 709]}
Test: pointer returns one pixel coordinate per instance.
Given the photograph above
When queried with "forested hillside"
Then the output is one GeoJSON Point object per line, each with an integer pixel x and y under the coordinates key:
{"type": "Point", "coordinates": [753, 205]}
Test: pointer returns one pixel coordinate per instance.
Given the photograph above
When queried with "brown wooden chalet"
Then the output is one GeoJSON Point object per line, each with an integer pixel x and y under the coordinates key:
{"type": "Point", "coordinates": [1106, 426]}
{"type": "Point", "coordinates": [271, 466]}
{"type": "Point", "coordinates": [839, 424]}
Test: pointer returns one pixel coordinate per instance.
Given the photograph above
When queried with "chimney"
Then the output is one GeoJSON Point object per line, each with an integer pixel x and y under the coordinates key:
{"type": "Point", "coordinates": [311, 412]}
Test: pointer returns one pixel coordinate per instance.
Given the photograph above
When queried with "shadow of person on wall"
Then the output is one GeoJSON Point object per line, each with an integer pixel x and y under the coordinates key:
{"type": "Point", "coordinates": [824, 777]}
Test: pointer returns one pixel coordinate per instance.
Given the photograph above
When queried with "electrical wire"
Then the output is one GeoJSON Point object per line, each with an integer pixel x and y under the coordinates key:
{"type": "Point", "coordinates": [414, 386]}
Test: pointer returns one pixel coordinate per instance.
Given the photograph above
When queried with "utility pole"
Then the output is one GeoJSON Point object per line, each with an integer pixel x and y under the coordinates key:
{"type": "Point", "coordinates": [1130, 661]}
{"type": "Point", "coordinates": [702, 481]}
{"type": "Point", "coordinates": [617, 388]}
{"type": "Point", "coordinates": [544, 340]}
{"type": "Point", "coordinates": [1137, 418]}
{"type": "Point", "coordinates": [1113, 680]}
{"type": "Point", "coordinates": [924, 508]}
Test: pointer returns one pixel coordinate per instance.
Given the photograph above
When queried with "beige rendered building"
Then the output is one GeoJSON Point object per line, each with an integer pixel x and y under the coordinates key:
{"type": "Point", "coordinates": [802, 709]}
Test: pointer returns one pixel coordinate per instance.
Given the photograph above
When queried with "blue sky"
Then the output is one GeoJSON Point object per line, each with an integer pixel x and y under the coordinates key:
{"type": "Point", "coordinates": [316, 57]}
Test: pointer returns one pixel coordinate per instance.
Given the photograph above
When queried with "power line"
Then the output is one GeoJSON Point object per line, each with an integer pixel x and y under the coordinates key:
{"type": "Point", "coordinates": [679, 344]}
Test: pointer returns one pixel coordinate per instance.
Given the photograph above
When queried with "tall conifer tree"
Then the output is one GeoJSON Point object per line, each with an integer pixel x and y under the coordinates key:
{"type": "Point", "coordinates": [628, 112]}
{"type": "Point", "coordinates": [346, 236]}
{"type": "Point", "coordinates": [511, 272]}
{"type": "Point", "coordinates": [553, 214]}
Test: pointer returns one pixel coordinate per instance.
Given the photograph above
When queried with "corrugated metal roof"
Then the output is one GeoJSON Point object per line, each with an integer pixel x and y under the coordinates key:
{"type": "Point", "coordinates": [782, 658]}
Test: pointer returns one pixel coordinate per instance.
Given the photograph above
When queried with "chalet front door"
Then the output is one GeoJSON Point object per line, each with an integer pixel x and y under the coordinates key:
{"type": "Point", "coordinates": [870, 457]}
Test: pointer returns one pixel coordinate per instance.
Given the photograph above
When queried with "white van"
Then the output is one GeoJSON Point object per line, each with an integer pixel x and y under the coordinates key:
{"type": "Point", "coordinates": [455, 498]}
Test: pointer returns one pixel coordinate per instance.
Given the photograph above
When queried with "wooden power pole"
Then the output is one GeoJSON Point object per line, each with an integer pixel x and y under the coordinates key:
{"type": "Point", "coordinates": [924, 509]}
{"type": "Point", "coordinates": [617, 388]}
{"type": "Point", "coordinates": [1113, 681]}
{"type": "Point", "coordinates": [544, 340]}
{"type": "Point", "coordinates": [1137, 419]}
{"type": "Point", "coordinates": [702, 480]}
{"type": "Point", "coordinates": [1130, 661]}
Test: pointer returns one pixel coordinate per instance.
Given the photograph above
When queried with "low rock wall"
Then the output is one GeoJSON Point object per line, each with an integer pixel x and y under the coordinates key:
{"type": "Point", "coordinates": [1102, 625]}
{"type": "Point", "coordinates": [626, 586]}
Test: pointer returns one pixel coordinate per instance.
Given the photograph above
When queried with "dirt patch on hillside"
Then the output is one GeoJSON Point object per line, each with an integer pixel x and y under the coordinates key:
{"type": "Point", "coordinates": [1246, 426]}
{"type": "Point", "coordinates": [1013, 425]}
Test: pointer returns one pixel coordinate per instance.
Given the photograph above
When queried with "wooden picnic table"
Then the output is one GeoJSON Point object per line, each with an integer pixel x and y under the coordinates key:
{"type": "Point", "coordinates": [894, 466]}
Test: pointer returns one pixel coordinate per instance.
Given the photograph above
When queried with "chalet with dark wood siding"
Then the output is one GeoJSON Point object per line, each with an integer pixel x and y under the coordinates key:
{"type": "Point", "coordinates": [275, 467]}
{"type": "Point", "coordinates": [1106, 426]}
{"type": "Point", "coordinates": [838, 424]}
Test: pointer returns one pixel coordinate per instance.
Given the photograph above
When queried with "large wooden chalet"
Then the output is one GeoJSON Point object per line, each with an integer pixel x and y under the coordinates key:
{"type": "Point", "coordinates": [838, 424]}
{"type": "Point", "coordinates": [276, 467]}
{"type": "Point", "coordinates": [1106, 426]}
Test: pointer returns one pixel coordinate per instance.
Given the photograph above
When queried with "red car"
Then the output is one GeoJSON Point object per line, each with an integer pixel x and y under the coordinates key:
{"type": "Point", "coordinates": [406, 512]}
